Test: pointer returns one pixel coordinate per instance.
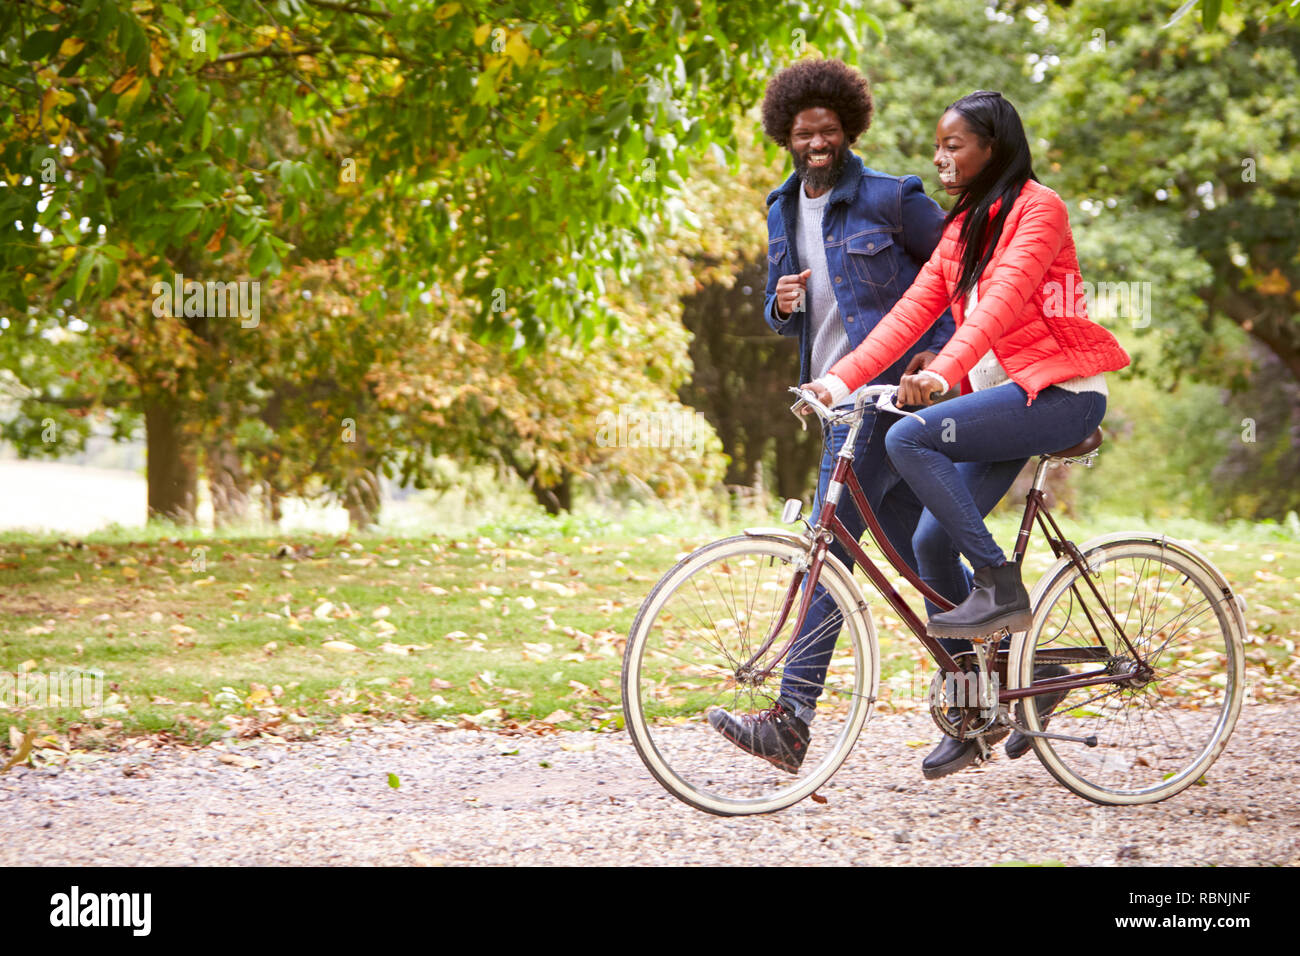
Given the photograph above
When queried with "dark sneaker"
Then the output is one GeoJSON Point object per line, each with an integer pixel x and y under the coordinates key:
{"type": "Point", "coordinates": [775, 734]}
{"type": "Point", "coordinates": [998, 600]}
{"type": "Point", "coordinates": [1018, 745]}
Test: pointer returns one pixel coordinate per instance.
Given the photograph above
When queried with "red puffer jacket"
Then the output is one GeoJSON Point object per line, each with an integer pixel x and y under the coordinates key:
{"type": "Point", "coordinates": [1031, 307]}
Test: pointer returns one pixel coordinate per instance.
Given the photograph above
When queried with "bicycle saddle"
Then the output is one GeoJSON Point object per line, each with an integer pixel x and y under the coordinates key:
{"type": "Point", "coordinates": [1091, 443]}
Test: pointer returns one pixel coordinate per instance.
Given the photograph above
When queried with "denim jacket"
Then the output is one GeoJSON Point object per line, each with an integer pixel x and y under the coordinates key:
{"type": "Point", "coordinates": [879, 230]}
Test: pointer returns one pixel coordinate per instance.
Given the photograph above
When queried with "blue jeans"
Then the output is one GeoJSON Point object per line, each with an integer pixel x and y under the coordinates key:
{"type": "Point", "coordinates": [898, 510]}
{"type": "Point", "coordinates": [964, 457]}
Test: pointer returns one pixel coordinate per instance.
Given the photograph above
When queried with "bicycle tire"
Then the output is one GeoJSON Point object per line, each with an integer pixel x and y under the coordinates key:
{"type": "Point", "coordinates": [703, 618]}
{"type": "Point", "coordinates": [1155, 738]}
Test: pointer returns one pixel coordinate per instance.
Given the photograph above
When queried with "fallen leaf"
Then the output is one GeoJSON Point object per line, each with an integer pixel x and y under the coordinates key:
{"type": "Point", "coordinates": [22, 747]}
{"type": "Point", "coordinates": [239, 760]}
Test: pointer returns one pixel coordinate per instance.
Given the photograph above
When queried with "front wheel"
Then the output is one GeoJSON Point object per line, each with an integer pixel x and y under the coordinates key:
{"type": "Point", "coordinates": [691, 651]}
{"type": "Point", "coordinates": [1160, 726]}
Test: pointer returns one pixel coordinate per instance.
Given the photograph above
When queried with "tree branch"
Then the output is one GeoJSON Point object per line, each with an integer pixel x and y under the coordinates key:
{"type": "Point", "coordinates": [273, 53]}
{"type": "Point", "coordinates": [349, 8]}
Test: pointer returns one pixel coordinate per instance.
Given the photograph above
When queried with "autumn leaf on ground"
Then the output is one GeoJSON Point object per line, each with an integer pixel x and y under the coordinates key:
{"type": "Point", "coordinates": [22, 744]}
{"type": "Point", "coordinates": [239, 760]}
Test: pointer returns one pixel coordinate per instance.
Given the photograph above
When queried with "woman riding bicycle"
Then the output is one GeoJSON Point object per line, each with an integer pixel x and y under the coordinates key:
{"type": "Point", "coordinates": [1030, 361]}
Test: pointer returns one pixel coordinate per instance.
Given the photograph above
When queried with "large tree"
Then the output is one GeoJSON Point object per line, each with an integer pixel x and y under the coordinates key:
{"type": "Point", "coordinates": [1180, 142]}
{"type": "Point", "coordinates": [503, 157]}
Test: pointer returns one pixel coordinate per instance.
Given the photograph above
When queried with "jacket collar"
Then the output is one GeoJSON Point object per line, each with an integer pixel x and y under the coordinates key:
{"type": "Point", "coordinates": [843, 191]}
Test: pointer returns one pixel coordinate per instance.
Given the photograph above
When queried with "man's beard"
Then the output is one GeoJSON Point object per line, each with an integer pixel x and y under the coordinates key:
{"type": "Point", "coordinates": [821, 178]}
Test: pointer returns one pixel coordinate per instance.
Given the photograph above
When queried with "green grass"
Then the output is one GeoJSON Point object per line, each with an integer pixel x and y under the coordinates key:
{"type": "Point", "coordinates": [200, 635]}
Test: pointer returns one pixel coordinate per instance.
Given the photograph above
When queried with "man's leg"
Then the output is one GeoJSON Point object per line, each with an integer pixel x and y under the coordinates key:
{"type": "Point", "coordinates": [898, 510]}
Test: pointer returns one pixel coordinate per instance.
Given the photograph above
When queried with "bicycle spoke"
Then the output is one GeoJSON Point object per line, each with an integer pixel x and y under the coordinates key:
{"type": "Point", "coordinates": [690, 653]}
{"type": "Point", "coordinates": [1155, 730]}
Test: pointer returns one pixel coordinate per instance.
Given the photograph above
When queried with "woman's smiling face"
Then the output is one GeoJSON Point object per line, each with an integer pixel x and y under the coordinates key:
{"type": "Point", "coordinates": [958, 155]}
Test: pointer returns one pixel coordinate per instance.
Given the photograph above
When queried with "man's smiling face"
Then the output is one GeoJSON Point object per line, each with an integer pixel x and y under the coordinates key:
{"type": "Point", "coordinates": [819, 148]}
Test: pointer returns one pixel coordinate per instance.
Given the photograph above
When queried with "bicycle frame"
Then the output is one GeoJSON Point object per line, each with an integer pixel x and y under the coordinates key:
{"type": "Point", "coordinates": [830, 528]}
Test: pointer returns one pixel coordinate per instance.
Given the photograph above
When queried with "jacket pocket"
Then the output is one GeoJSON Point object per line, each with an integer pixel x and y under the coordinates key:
{"type": "Point", "coordinates": [776, 251]}
{"type": "Point", "coordinates": [873, 257]}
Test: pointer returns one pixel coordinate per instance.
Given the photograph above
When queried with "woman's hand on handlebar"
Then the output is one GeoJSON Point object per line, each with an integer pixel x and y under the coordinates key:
{"type": "Point", "coordinates": [917, 388]}
{"type": "Point", "coordinates": [820, 391]}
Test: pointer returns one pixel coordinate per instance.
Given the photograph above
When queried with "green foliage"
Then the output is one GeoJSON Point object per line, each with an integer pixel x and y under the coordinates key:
{"type": "Point", "coordinates": [404, 129]}
{"type": "Point", "coordinates": [1183, 138]}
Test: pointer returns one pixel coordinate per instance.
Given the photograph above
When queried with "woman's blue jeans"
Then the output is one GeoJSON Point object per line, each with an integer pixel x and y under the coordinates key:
{"type": "Point", "coordinates": [964, 457]}
{"type": "Point", "coordinates": [898, 510]}
{"type": "Point", "coordinates": [959, 462]}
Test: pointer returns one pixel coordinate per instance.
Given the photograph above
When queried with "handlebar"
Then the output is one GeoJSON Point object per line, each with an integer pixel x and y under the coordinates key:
{"type": "Point", "coordinates": [881, 396]}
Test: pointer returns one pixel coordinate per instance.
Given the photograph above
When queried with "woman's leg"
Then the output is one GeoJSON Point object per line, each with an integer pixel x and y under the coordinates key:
{"type": "Point", "coordinates": [938, 561]}
{"type": "Point", "coordinates": [960, 461]}
{"type": "Point", "coordinates": [992, 425]}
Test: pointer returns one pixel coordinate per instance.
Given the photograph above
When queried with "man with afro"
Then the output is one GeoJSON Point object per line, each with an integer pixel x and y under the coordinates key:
{"type": "Point", "coordinates": [844, 243]}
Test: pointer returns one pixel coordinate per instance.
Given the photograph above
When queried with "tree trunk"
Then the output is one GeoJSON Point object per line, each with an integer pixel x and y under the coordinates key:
{"type": "Point", "coordinates": [363, 498]}
{"type": "Point", "coordinates": [227, 483]}
{"type": "Point", "coordinates": [274, 502]}
{"type": "Point", "coordinates": [172, 470]}
{"type": "Point", "coordinates": [554, 498]}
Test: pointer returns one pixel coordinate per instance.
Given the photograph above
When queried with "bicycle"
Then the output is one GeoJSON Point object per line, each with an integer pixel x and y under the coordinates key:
{"type": "Point", "coordinates": [1134, 655]}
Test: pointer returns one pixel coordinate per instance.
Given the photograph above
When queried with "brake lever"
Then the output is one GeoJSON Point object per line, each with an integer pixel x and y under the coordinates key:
{"type": "Point", "coordinates": [803, 400]}
{"type": "Point", "coordinates": [885, 403]}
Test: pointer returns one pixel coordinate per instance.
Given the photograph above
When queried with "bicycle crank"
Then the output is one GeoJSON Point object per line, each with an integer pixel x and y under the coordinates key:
{"type": "Point", "coordinates": [1086, 741]}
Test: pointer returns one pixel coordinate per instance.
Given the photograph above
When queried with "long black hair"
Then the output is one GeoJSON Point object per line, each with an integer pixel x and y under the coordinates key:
{"type": "Point", "coordinates": [996, 123]}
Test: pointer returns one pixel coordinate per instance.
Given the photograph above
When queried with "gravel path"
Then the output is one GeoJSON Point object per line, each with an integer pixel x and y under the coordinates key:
{"type": "Point", "coordinates": [468, 798]}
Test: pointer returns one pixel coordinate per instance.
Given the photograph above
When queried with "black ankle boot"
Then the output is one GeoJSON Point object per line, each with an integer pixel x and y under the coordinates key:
{"type": "Point", "coordinates": [999, 600]}
{"type": "Point", "coordinates": [950, 756]}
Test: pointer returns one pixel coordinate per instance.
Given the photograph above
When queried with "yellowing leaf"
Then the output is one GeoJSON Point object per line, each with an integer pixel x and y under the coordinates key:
{"type": "Point", "coordinates": [239, 760]}
{"type": "Point", "coordinates": [71, 46]}
{"type": "Point", "coordinates": [125, 80]}
{"type": "Point", "coordinates": [517, 48]}
{"type": "Point", "coordinates": [482, 33]}
{"type": "Point", "coordinates": [22, 748]}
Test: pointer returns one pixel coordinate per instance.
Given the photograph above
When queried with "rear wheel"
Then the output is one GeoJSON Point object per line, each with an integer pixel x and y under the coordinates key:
{"type": "Point", "coordinates": [1161, 726]}
{"type": "Point", "coordinates": [688, 652]}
